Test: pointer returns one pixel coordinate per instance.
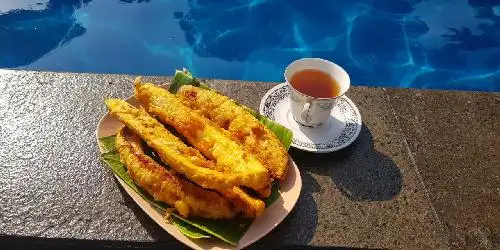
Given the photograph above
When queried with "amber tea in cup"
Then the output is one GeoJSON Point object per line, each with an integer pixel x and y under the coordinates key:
{"type": "Point", "coordinates": [315, 83]}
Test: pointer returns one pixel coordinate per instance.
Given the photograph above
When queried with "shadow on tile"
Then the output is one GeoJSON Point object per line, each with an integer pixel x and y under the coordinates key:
{"type": "Point", "coordinates": [39, 243]}
{"type": "Point", "coordinates": [360, 172]}
{"type": "Point", "coordinates": [299, 227]}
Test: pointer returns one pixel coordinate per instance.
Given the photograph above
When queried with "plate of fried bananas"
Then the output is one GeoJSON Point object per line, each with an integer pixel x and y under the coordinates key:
{"type": "Point", "coordinates": [213, 173]}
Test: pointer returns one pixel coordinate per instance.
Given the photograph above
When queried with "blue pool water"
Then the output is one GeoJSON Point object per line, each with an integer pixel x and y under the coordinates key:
{"type": "Point", "coordinates": [439, 44]}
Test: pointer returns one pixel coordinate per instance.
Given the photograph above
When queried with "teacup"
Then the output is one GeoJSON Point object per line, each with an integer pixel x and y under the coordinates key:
{"type": "Point", "coordinates": [309, 110]}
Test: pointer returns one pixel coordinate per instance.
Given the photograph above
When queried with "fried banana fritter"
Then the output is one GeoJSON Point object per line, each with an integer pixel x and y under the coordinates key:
{"type": "Point", "coordinates": [249, 206]}
{"type": "Point", "coordinates": [180, 157]}
{"type": "Point", "coordinates": [243, 126]}
{"type": "Point", "coordinates": [242, 202]}
{"type": "Point", "coordinates": [187, 198]}
{"type": "Point", "coordinates": [212, 141]}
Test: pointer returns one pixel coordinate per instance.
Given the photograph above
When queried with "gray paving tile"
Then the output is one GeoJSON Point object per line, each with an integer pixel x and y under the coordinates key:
{"type": "Point", "coordinates": [455, 140]}
{"type": "Point", "coordinates": [368, 195]}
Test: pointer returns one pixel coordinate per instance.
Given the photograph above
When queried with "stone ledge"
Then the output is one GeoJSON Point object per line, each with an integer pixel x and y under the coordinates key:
{"type": "Point", "coordinates": [422, 174]}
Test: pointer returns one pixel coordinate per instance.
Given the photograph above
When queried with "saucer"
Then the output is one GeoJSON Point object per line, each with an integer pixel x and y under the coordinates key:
{"type": "Point", "coordinates": [341, 129]}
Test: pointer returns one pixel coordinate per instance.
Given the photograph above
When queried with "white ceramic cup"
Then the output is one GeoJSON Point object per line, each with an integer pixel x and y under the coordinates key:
{"type": "Point", "coordinates": [313, 111]}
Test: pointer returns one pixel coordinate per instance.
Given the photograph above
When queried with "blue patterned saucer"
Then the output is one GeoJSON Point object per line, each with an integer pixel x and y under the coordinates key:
{"type": "Point", "coordinates": [338, 132]}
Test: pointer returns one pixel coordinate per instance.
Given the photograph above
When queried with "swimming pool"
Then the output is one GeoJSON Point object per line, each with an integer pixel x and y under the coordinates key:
{"type": "Point", "coordinates": [438, 44]}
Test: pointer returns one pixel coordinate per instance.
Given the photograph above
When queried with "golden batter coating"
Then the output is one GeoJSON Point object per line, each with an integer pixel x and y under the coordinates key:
{"type": "Point", "coordinates": [249, 206]}
{"type": "Point", "coordinates": [180, 157]}
{"type": "Point", "coordinates": [243, 126]}
{"type": "Point", "coordinates": [212, 141]}
{"type": "Point", "coordinates": [187, 198]}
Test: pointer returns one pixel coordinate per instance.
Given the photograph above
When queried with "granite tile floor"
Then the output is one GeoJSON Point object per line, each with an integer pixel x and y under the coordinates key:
{"type": "Point", "coordinates": [455, 140]}
{"type": "Point", "coordinates": [422, 174]}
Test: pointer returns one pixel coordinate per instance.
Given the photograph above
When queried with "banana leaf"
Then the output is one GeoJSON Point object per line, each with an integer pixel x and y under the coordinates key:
{"type": "Point", "coordinates": [184, 77]}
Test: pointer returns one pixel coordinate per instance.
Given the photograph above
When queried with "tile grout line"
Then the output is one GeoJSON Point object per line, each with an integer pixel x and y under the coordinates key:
{"type": "Point", "coordinates": [419, 175]}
